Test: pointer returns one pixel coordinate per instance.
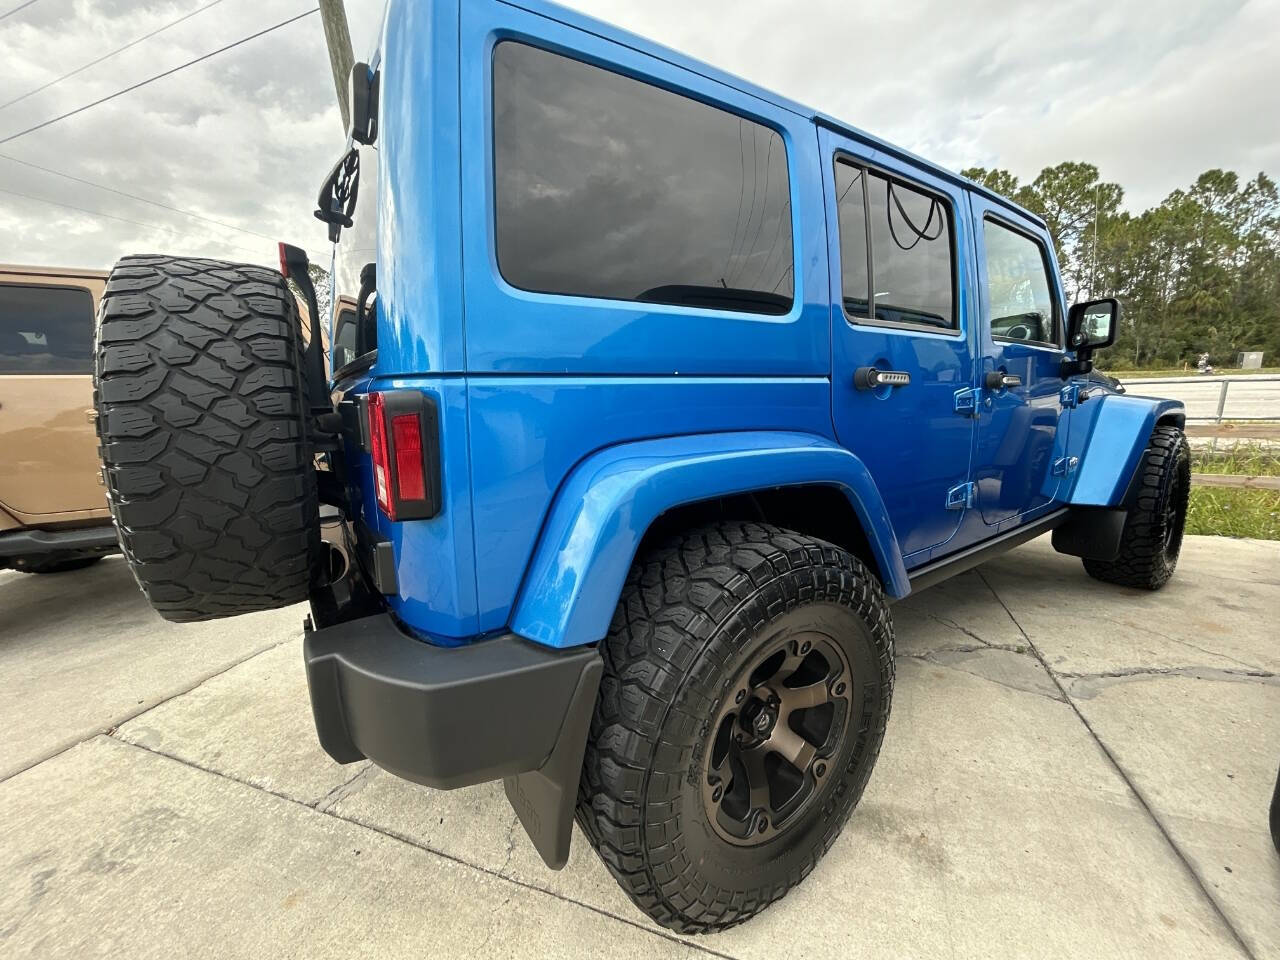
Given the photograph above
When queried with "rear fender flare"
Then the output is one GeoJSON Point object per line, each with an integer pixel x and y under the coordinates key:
{"type": "Point", "coordinates": [609, 500]}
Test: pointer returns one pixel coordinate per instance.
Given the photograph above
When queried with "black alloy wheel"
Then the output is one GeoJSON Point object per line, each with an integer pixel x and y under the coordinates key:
{"type": "Point", "coordinates": [775, 738]}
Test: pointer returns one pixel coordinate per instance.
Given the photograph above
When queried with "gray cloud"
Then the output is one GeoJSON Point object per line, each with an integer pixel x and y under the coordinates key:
{"type": "Point", "coordinates": [1153, 92]}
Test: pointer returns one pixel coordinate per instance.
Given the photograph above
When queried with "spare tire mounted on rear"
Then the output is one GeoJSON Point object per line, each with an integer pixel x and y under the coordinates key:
{"type": "Point", "coordinates": [202, 421]}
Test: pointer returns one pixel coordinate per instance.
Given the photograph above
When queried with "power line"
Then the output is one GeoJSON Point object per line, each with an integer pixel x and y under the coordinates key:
{"type": "Point", "coordinates": [21, 6]}
{"type": "Point", "coordinates": [107, 56]}
{"type": "Point", "coordinates": [141, 199]}
{"type": "Point", "coordinates": [158, 76]}
{"type": "Point", "coordinates": [134, 196]}
{"type": "Point", "coordinates": [110, 216]}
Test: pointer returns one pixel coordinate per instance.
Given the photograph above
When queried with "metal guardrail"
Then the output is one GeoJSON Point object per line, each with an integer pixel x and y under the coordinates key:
{"type": "Point", "coordinates": [1225, 381]}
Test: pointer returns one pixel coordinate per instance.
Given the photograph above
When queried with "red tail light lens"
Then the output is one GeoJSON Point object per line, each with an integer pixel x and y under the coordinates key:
{"type": "Point", "coordinates": [380, 453]}
{"type": "Point", "coordinates": [404, 446]}
{"type": "Point", "coordinates": [406, 431]}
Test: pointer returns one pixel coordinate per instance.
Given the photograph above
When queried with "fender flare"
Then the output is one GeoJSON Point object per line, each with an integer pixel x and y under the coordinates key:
{"type": "Point", "coordinates": [608, 502]}
{"type": "Point", "coordinates": [1113, 441]}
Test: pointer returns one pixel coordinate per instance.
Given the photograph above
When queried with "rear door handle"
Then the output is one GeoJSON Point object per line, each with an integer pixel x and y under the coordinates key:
{"type": "Point", "coordinates": [1001, 381]}
{"type": "Point", "coordinates": [868, 378]}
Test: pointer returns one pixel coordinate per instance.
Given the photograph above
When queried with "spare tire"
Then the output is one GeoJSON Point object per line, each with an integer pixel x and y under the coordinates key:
{"type": "Point", "coordinates": [202, 424]}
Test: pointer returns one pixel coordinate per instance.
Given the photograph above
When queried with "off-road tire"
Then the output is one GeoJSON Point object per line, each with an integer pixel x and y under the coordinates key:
{"type": "Point", "coordinates": [1152, 537]}
{"type": "Point", "coordinates": [202, 424]}
{"type": "Point", "coordinates": [52, 564]}
{"type": "Point", "coordinates": [692, 611]}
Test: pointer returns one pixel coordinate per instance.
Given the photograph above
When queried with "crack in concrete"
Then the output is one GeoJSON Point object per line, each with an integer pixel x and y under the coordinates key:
{"type": "Point", "coordinates": [1089, 685]}
{"type": "Point", "coordinates": [955, 626]}
{"type": "Point", "coordinates": [511, 844]}
{"type": "Point", "coordinates": [964, 658]}
{"type": "Point", "coordinates": [346, 789]}
{"type": "Point", "coordinates": [1128, 781]}
{"type": "Point", "coordinates": [1177, 640]}
{"type": "Point", "coordinates": [426, 848]}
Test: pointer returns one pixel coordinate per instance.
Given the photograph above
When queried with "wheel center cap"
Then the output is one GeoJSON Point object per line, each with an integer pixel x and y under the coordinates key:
{"type": "Point", "coordinates": [764, 722]}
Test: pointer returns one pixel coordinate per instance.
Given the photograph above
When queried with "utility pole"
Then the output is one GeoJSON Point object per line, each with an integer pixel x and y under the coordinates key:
{"type": "Point", "coordinates": [338, 39]}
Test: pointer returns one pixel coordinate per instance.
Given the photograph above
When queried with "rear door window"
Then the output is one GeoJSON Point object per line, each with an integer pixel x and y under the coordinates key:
{"type": "Point", "coordinates": [612, 188]}
{"type": "Point", "coordinates": [45, 329]}
{"type": "Point", "coordinates": [908, 276]}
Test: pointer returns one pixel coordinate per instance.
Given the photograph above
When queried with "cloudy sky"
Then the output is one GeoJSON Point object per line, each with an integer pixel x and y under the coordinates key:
{"type": "Point", "coordinates": [1152, 91]}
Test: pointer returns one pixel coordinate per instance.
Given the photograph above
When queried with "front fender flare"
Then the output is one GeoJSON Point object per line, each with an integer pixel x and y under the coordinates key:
{"type": "Point", "coordinates": [608, 501]}
{"type": "Point", "coordinates": [1112, 437]}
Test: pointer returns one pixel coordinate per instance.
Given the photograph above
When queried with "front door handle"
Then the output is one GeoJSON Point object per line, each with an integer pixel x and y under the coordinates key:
{"type": "Point", "coordinates": [1001, 381]}
{"type": "Point", "coordinates": [868, 378]}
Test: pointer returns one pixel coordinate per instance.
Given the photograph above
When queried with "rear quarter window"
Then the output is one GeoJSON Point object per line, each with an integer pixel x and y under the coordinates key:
{"type": "Point", "coordinates": [613, 188]}
{"type": "Point", "coordinates": [45, 329]}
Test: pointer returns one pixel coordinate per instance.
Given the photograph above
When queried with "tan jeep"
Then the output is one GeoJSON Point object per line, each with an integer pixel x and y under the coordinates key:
{"type": "Point", "coordinates": [53, 514]}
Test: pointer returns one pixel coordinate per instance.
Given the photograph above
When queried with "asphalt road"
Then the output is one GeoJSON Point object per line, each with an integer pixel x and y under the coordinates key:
{"type": "Point", "coordinates": [1070, 770]}
{"type": "Point", "coordinates": [1246, 396]}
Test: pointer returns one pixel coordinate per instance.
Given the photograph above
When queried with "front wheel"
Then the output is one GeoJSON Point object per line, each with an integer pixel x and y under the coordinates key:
{"type": "Point", "coordinates": [1152, 537]}
{"type": "Point", "coordinates": [748, 677]}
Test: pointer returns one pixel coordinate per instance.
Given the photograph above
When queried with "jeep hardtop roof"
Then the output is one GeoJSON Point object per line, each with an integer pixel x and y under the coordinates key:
{"type": "Point", "coordinates": [609, 32]}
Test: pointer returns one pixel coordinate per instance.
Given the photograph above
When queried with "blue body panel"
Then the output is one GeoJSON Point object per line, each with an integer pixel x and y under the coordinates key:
{"type": "Point", "coordinates": [528, 433]}
{"type": "Point", "coordinates": [610, 500]}
{"type": "Point", "coordinates": [1109, 433]}
{"type": "Point", "coordinates": [569, 423]}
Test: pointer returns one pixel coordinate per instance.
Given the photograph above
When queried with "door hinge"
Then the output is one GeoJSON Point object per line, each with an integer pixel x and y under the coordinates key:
{"type": "Point", "coordinates": [1065, 466]}
{"type": "Point", "coordinates": [967, 402]}
{"type": "Point", "coordinates": [962, 497]}
{"type": "Point", "coordinates": [1072, 395]}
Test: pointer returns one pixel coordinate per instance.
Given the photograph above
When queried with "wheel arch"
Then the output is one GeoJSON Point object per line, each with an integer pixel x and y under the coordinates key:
{"type": "Point", "coordinates": [618, 496]}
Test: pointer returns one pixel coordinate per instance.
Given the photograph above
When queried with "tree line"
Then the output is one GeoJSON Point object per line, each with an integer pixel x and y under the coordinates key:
{"type": "Point", "coordinates": [1200, 273]}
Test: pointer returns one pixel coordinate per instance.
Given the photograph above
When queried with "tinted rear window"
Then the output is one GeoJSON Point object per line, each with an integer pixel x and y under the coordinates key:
{"type": "Point", "coordinates": [45, 330]}
{"type": "Point", "coordinates": [613, 188]}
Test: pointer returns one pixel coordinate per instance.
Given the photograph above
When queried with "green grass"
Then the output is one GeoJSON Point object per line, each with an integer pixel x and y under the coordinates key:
{"type": "Point", "coordinates": [1242, 460]}
{"type": "Point", "coordinates": [1218, 372]}
{"type": "Point", "coordinates": [1224, 512]}
{"type": "Point", "coordinates": [1219, 512]}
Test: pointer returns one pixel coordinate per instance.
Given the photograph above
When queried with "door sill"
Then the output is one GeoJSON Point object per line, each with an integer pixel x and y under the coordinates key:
{"type": "Point", "coordinates": [968, 558]}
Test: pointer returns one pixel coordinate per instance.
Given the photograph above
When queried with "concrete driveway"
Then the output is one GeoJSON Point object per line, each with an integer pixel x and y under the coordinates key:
{"type": "Point", "coordinates": [1071, 770]}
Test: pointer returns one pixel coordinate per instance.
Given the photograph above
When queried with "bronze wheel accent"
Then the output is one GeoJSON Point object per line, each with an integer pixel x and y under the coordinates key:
{"type": "Point", "coordinates": [786, 716]}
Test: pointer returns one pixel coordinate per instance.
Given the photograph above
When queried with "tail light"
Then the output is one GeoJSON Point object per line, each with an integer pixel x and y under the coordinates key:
{"type": "Point", "coordinates": [404, 444]}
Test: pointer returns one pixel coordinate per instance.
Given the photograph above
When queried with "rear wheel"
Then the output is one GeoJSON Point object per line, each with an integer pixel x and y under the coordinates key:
{"type": "Point", "coordinates": [748, 676]}
{"type": "Point", "coordinates": [1152, 537]}
{"type": "Point", "coordinates": [202, 419]}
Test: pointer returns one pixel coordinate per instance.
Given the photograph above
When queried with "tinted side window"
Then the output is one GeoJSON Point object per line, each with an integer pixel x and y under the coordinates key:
{"type": "Point", "coordinates": [45, 330]}
{"type": "Point", "coordinates": [911, 253]}
{"type": "Point", "coordinates": [609, 187]}
{"type": "Point", "coordinates": [1018, 289]}
{"type": "Point", "coordinates": [852, 208]}
{"type": "Point", "coordinates": [911, 259]}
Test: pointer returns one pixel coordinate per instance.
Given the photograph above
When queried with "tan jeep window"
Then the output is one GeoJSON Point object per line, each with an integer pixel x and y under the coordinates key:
{"type": "Point", "coordinates": [45, 329]}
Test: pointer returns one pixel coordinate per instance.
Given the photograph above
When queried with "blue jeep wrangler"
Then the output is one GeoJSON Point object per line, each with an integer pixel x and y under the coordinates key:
{"type": "Point", "coordinates": [648, 393]}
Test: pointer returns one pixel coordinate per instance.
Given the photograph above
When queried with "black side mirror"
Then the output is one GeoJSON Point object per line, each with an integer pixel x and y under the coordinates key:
{"type": "Point", "coordinates": [362, 95]}
{"type": "Point", "coordinates": [1092, 325]}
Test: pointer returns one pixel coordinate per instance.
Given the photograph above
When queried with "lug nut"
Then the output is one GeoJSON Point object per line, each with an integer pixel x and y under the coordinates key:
{"type": "Point", "coordinates": [763, 825]}
{"type": "Point", "coordinates": [716, 795]}
{"type": "Point", "coordinates": [742, 695]}
{"type": "Point", "coordinates": [820, 770]}
{"type": "Point", "coordinates": [840, 688]}
{"type": "Point", "coordinates": [805, 647]}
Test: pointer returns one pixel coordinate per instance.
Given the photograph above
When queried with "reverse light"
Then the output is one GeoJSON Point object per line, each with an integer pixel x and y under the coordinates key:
{"type": "Point", "coordinates": [404, 446]}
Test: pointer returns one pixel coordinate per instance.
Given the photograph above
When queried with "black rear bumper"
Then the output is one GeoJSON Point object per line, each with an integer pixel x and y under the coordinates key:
{"type": "Point", "coordinates": [455, 716]}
